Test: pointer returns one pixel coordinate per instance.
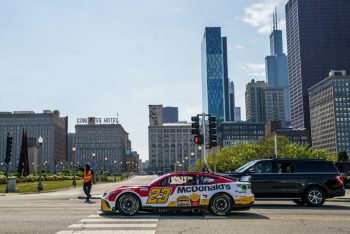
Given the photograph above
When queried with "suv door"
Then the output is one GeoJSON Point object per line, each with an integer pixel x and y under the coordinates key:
{"type": "Point", "coordinates": [287, 183]}
{"type": "Point", "coordinates": [262, 177]}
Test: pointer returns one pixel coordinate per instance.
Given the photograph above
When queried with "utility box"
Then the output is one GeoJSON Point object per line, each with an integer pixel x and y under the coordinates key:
{"type": "Point", "coordinates": [11, 185]}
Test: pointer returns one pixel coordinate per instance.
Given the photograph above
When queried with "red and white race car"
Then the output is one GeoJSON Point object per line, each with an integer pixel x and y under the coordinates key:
{"type": "Point", "coordinates": [181, 191]}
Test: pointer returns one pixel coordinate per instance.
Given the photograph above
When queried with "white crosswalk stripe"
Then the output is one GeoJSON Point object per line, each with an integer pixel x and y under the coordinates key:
{"type": "Point", "coordinates": [113, 224]}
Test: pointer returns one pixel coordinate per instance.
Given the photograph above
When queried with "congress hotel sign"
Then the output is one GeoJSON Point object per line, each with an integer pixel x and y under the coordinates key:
{"type": "Point", "coordinates": [95, 120]}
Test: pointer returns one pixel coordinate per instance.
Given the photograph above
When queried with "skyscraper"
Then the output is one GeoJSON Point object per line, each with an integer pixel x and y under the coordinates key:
{"type": "Point", "coordinates": [274, 104]}
{"type": "Point", "coordinates": [329, 112]}
{"type": "Point", "coordinates": [277, 65]}
{"type": "Point", "coordinates": [254, 97]}
{"type": "Point", "coordinates": [318, 41]}
{"type": "Point", "coordinates": [231, 91]}
{"type": "Point", "coordinates": [214, 73]}
{"type": "Point", "coordinates": [170, 114]}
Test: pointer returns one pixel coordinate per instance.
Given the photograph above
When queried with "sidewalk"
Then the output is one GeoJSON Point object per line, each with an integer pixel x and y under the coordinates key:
{"type": "Point", "coordinates": [345, 198]}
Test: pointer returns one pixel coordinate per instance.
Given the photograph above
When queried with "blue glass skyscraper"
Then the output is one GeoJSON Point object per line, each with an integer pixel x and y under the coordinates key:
{"type": "Point", "coordinates": [214, 74]}
{"type": "Point", "coordinates": [277, 66]}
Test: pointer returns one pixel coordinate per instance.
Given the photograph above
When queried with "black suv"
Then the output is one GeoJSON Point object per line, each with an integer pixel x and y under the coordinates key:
{"type": "Point", "coordinates": [303, 181]}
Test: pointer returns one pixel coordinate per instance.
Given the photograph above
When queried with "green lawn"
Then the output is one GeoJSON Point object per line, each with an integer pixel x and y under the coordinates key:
{"type": "Point", "coordinates": [31, 187]}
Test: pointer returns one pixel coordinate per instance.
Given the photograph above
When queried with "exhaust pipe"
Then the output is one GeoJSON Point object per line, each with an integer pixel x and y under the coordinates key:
{"type": "Point", "coordinates": [196, 210]}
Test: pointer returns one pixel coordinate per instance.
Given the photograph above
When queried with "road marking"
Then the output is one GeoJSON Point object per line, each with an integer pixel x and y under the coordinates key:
{"type": "Point", "coordinates": [113, 225]}
{"type": "Point", "coordinates": [118, 220]}
{"type": "Point", "coordinates": [110, 224]}
{"type": "Point", "coordinates": [108, 232]}
{"type": "Point", "coordinates": [311, 219]}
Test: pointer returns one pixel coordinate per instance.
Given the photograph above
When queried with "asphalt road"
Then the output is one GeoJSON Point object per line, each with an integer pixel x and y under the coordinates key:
{"type": "Point", "coordinates": [62, 212]}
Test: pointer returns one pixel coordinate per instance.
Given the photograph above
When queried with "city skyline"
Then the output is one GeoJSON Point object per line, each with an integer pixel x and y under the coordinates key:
{"type": "Point", "coordinates": [82, 61]}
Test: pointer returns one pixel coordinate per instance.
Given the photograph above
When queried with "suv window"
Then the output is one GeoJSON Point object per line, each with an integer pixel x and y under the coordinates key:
{"type": "Point", "coordinates": [262, 167]}
{"type": "Point", "coordinates": [315, 166]}
{"type": "Point", "coordinates": [285, 167]}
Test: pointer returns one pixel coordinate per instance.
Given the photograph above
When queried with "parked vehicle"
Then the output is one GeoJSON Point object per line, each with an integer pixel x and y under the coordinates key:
{"type": "Point", "coordinates": [303, 181]}
{"type": "Point", "coordinates": [181, 191]}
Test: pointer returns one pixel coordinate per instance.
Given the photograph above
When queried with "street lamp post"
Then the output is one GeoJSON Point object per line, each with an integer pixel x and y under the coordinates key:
{"type": "Point", "coordinates": [104, 165]}
{"type": "Point", "coordinates": [186, 163]}
{"type": "Point", "coordinates": [40, 185]}
{"type": "Point", "coordinates": [74, 182]}
{"type": "Point", "coordinates": [115, 167]}
{"type": "Point", "coordinates": [94, 166]}
{"type": "Point", "coordinates": [200, 157]}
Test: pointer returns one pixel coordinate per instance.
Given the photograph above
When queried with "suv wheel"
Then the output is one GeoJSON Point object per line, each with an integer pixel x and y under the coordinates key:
{"type": "Point", "coordinates": [128, 204]}
{"type": "Point", "coordinates": [315, 196]}
{"type": "Point", "coordinates": [221, 204]}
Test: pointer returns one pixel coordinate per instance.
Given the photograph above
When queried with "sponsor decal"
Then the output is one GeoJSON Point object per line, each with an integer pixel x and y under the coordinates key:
{"type": "Point", "coordinates": [244, 188]}
{"type": "Point", "coordinates": [194, 189]}
{"type": "Point", "coordinates": [183, 201]}
{"type": "Point", "coordinates": [158, 195]}
{"type": "Point", "coordinates": [195, 199]}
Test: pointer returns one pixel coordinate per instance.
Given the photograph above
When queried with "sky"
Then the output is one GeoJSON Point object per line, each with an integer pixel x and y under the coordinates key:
{"type": "Point", "coordinates": [111, 58]}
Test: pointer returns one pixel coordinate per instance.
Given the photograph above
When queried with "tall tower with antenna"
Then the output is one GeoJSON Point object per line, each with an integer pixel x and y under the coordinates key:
{"type": "Point", "coordinates": [277, 65]}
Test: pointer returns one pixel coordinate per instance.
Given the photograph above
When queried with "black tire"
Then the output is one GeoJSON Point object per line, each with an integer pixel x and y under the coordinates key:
{"type": "Point", "coordinates": [299, 202]}
{"type": "Point", "coordinates": [128, 204]}
{"type": "Point", "coordinates": [315, 196]}
{"type": "Point", "coordinates": [221, 204]}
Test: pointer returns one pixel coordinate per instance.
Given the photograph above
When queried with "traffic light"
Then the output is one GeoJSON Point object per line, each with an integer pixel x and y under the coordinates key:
{"type": "Point", "coordinates": [195, 125]}
{"type": "Point", "coordinates": [8, 149]}
{"type": "Point", "coordinates": [212, 131]}
{"type": "Point", "coordinates": [198, 140]}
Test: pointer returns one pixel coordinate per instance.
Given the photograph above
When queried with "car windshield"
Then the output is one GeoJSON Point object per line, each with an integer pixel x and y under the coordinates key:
{"type": "Point", "coordinates": [245, 166]}
{"type": "Point", "coordinates": [156, 179]}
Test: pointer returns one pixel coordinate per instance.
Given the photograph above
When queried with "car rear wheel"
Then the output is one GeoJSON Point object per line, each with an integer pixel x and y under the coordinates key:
{"type": "Point", "coordinates": [315, 196]}
{"type": "Point", "coordinates": [221, 204]}
{"type": "Point", "coordinates": [128, 204]}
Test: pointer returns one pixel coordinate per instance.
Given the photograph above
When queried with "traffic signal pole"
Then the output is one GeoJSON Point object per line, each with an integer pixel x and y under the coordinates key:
{"type": "Point", "coordinates": [204, 141]}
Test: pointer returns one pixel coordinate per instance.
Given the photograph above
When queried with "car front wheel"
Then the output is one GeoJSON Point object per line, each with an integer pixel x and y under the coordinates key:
{"type": "Point", "coordinates": [128, 204]}
{"type": "Point", "coordinates": [221, 204]}
{"type": "Point", "coordinates": [315, 196]}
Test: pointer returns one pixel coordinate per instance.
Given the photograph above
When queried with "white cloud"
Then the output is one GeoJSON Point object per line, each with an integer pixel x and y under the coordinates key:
{"type": "Point", "coordinates": [240, 47]}
{"type": "Point", "coordinates": [256, 70]}
{"type": "Point", "coordinates": [259, 15]}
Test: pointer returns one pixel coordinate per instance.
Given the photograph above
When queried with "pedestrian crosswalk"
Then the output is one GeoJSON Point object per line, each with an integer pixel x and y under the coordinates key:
{"type": "Point", "coordinates": [113, 224]}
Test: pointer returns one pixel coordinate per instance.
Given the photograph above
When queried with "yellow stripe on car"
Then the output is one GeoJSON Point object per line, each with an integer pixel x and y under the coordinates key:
{"type": "Point", "coordinates": [244, 200]}
{"type": "Point", "coordinates": [105, 206]}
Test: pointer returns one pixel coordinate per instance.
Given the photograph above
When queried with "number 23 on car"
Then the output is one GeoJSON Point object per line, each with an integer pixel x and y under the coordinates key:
{"type": "Point", "coordinates": [181, 191]}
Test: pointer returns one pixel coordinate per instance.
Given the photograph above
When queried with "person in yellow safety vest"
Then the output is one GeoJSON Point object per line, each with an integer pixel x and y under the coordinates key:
{"type": "Point", "coordinates": [88, 177]}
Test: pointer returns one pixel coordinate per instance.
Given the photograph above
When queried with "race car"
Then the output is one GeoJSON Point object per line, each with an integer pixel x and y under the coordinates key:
{"type": "Point", "coordinates": [181, 191]}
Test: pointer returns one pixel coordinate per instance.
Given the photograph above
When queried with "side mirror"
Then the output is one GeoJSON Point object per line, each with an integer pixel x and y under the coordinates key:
{"type": "Point", "coordinates": [251, 171]}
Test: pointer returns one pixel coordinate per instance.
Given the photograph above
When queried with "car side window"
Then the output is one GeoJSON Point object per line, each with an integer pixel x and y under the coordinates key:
{"type": "Point", "coordinates": [262, 167]}
{"type": "Point", "coordinates": [178, 180]}
{"type": "Point", "coordinates": [206, 180]}
{"type": "Point", "coordinates": [285, 167]}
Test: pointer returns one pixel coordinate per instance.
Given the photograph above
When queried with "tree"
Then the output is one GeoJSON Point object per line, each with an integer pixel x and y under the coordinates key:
{"type": "Point", "coordinates": [343, 156]}
{"type": "Point", "coordinates": [232, 157]}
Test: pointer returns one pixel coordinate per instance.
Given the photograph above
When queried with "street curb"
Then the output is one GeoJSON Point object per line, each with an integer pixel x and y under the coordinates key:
{"type": "Point", "coordinates": [339, 200]}
{"type": "Point", "coordinates": [95, 198]}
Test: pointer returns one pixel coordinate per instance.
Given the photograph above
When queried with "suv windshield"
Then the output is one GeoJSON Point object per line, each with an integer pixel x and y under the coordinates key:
{"type": "Point", "coordinates": [245, 166]}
